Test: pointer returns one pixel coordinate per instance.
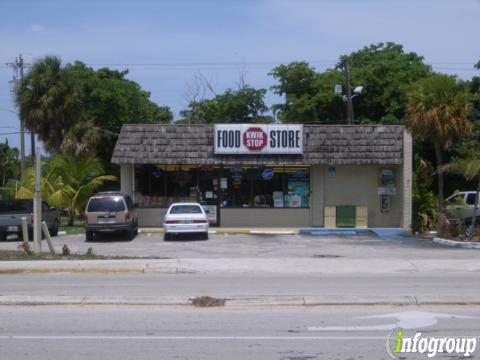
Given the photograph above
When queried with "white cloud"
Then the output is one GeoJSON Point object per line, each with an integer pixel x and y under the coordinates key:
{"type": "Point", "coordinates": [36, 29]}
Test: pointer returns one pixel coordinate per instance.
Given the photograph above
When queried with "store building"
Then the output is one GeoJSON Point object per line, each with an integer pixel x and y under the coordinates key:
{"type": "Point", "coordinates": [270, 175]}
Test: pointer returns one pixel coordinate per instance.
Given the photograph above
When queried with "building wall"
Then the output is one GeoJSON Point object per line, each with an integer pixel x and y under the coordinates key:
{"type": "Point", "coordinates": [357, 185]}
{"type": "Point", "coordinates": [407, 180]}
{"type": "Point", "coordinates": [127, 179]}
{"type": "Point", "coordinates": [317, 195]}
{"type": "Point", "coordinates": [265, 217]}
{"type": "Point", "coordinates": [151, 217]}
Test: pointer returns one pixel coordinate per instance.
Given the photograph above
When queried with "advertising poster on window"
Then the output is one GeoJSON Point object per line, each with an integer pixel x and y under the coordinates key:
{"type": "Point", "coordinates": [298, 189]}
{"type": "Point", "coordinates": [211, 213]}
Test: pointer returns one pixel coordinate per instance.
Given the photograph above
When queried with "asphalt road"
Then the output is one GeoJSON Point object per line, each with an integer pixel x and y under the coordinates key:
{"type": "Point", "coordinates": [121, 333]}
{"type": "Point", "coordinates": [262, 246]}
{"type": "Point", "coordinates": [341, 288]}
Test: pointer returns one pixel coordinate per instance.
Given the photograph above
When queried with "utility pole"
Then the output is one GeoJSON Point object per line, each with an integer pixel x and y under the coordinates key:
{"type": "Point", "coordinates": [18, 71]}
{"type": "Point", "coordinates": [346, 67]}
{"type": "Point", "coordinates": [347, 96]}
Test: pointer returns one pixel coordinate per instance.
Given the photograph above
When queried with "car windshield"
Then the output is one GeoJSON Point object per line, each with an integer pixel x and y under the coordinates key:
{"type": "Point", "coordinates": [105, 204]}
{"type": "Point", "coordinates": [186, 209]}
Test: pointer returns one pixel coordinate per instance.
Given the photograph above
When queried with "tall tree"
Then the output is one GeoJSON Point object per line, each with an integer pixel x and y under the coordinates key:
{"type": "Point", "coordinates": [439, 107]}
{"type": "Point", "coordinates": [245, 105]}
{"type": "Point", "coordinates": [50, 102]}
{"type": "Point", "coordinates": [112, 100]}
{"type": "Point", "coordinates": [385, 71]}
{"type": "Point", "coordinates": [9, 168]}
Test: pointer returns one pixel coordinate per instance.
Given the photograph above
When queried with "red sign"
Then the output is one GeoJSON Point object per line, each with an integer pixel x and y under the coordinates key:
{"type": "Point", "coordinates": [254, 139]}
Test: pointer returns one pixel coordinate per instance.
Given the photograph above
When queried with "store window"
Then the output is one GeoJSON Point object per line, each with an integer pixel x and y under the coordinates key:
{"type": "Point", "coordinates": [266, 187]}
{"type": "Point", "coordinates": [231, 187]}
{"type": "Point", "coordinates": [162, 185]}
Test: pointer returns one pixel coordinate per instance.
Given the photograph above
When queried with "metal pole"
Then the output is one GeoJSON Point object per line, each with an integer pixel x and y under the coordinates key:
{"type": "Point", "coordinates": [349, 93]}
{"type": "Point", "coordinates": [37, 205]}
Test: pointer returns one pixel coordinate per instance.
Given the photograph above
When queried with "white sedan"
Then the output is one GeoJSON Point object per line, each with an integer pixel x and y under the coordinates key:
{"type": "Point", "coordinates": [185, 218]}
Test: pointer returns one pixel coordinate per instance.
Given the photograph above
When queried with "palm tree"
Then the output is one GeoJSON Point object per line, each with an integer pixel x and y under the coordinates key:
{"type": "Point", "coordinates": [66, 182]}
{"type": "Point", "coordinates": [8, 163]}
{"type": "Point", "coordinates": [49, 101]}
{"type": "Point", "coordinates": [438, 108]}
{"type": "Point", "coordinates": [470, 169]}
{"type": "Point", "coordinates": [82, 177]}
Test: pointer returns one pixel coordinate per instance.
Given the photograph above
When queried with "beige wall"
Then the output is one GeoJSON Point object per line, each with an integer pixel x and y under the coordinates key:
{"type": "Point", "coordinates": [357, 185]}
{"type": "Point", "coordinates": [127, 180]}
{"type": "Point", "coordinates": [151, 217]}
{"type": "Point", "coordinates": [407, 180]}
{"type": "Point", "coordinates": [238, 217]}
{"type": "Point", "coordinates": [265, 217]}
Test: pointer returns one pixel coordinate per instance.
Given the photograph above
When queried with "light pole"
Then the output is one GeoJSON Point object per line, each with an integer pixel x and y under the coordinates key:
{"type": "Point", "coordinates": [347, 96]}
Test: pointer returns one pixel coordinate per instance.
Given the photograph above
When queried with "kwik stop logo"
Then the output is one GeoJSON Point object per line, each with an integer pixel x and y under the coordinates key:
{"type": "Point", "coordinates": [398, 345]}
{"type": "Point", "coordinates": [256, 139]}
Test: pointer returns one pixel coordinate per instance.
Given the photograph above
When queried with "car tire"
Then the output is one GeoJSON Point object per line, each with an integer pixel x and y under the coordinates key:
{"type": "Point", "coordinates": [89, 235]}
{"type": "Point", "coordinates": [54, 230]}
{"type": "Point", "coordinates": [130, 233]}
{"type": "Point", "coordinates": [205, 236]}
{"type": "Point", "coordinates": [3, 236]}
{"type": "Point", "coordinates": [167, 236]}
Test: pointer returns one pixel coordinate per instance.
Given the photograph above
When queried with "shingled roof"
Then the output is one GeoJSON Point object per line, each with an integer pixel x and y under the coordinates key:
{"type": "Point", "coordinates": [323, 145]}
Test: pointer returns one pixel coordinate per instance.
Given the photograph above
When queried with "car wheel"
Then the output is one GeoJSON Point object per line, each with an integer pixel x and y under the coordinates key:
{"type": "Point", "coordinates": [54, 230]}
{"type": "Point", "coordinates": [3, 236]}
{"type": "Point", "coordinates": [205, 236]}
{"type": "Point", "coordinates": [89, 235]}
{"type": "Point", "coordinates": [167, 236]}
{"type": "Point", "coordinates": [130, 233]}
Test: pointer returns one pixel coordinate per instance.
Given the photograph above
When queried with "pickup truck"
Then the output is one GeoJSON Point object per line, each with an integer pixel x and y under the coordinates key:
{"type": "Point", "coordinates": [12, 211]}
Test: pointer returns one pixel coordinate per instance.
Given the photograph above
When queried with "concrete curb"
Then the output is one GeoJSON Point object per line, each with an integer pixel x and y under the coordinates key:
{"type": "Point", "coordinates": [284, 265]}
{"type": "Point", "coordinates": [238, 301]}
{"type": "Point", "coordinates": [235, 231]}
{"type": "Point", "coordinates": [460, 244]}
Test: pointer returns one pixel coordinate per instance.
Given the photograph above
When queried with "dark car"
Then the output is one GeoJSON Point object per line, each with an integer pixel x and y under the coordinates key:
{"type": "Point", "coordinates": [12, 211]}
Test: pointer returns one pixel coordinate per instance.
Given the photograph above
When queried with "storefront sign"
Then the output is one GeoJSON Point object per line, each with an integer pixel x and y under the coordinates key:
{"type": "Point", "coordinates": [258, 139]}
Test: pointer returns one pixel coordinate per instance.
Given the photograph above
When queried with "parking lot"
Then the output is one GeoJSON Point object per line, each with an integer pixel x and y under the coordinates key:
{"type": "Point", "coordinates": [261, 246]}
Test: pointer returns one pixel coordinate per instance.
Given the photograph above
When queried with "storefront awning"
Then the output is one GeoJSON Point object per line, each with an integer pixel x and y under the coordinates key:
{"type": "Point", "coordinates": [323, 145]}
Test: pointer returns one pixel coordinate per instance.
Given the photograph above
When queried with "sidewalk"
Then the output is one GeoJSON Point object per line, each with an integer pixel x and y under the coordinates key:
{"type": "Point", "coordinates": [285, 265]}
{"type": "Point", "coordinates": [368, 282]}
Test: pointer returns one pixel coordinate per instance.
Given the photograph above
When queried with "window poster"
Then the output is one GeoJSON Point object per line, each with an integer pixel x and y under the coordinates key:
{"type": "Point", "coordinates": [298, 189]}
{"type": "Point", "coordinates": [387, 178]}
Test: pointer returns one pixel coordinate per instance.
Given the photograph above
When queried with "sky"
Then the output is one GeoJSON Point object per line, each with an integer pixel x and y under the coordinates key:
{"type": "Point", "coordinates": [165, 43]}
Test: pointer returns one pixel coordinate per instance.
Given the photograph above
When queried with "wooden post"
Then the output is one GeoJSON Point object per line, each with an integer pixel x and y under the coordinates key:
{"type": "Point", "coordinates": [25, 231]}
{"type": "Point", "coordinates": [47, 237]}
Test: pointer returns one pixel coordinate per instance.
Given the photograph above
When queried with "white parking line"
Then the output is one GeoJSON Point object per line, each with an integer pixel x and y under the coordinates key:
{"type": "Point", "coordinates": [153, 337]}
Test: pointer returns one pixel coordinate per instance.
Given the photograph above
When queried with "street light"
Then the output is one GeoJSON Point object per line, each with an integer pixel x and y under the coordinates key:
{"type": "Point", "coordinates": [347, 96]}
{"type": "Point", "coordinates": [348, 100]}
